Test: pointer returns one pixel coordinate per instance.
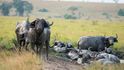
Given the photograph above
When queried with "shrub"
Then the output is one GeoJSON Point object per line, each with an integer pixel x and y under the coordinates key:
{"type": "Point", "coordinates": [107, 15]}
{"type": "Point", "coordinates": [68, 16]}
{"type": "Point", "coordinates": [121, 12]}
{"type": "Point", "coordinates": [43, 10]}
{"type": "Point", "coordinates": [73, 9]}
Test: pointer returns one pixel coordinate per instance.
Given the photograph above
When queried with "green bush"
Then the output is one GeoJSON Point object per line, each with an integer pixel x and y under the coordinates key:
{"type": "Point", "coordinates": [73, 9]}
{"type": "Point", "coordinates": [107, 15]}
{"type": "Point", "coordinates": [121, 12]}
{"type": "Point", "coordinates": [43, 10]}
{"type": "Point", "coordinates": [68, 16]}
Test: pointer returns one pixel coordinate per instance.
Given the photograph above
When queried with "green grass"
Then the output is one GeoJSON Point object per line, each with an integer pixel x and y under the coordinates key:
{"type": "Point", "coordinates": [72, 30]}
{"type": "Point", "coordinates": [64, 30]}
{"type": "Point", "coordinates": [67, 30]}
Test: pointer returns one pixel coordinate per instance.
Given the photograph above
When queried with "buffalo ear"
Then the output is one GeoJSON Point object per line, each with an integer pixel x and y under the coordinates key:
{"type": "Point", "coordinates": [33, 23]}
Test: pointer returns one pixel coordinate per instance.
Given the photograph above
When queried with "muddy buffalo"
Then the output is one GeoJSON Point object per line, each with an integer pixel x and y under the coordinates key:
{"type": "Point", "coordinates": [21, 32]}
{"type": "Point", "coordinates": [96, 43]}
{"type": "Point", "coordinates": [39, 35]}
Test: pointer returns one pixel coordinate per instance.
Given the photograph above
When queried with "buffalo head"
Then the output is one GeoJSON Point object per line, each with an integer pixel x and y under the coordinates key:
{"type": "Point", "coordinates": [111, 40]}
{"type": "Point", "coordinates": [22, 28]}
{"type": "Point", "coordinates": [38, 24]}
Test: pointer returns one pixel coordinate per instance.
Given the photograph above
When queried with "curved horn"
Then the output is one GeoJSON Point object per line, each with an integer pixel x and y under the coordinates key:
{"type": "Point", "coordinates": [51, 24]}
{"type": "Point", "coordinates": [116, 35]}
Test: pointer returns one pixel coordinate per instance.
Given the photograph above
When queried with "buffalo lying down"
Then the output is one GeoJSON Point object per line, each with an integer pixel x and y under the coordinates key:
{"type": "Point", "coordinates": [106, 58]}
{"type": "Point", "coordinates": [96, 43]}
{"type": "Point", "coordinates": [62, 47]}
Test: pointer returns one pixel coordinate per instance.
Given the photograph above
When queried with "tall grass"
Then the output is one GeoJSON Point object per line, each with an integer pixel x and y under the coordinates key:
{"type": "Point", "coordinates": [15, 61]}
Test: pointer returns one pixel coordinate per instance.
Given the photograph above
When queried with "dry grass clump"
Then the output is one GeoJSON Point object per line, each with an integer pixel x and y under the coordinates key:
{"type": "Point", "coordinates": [19, 61]}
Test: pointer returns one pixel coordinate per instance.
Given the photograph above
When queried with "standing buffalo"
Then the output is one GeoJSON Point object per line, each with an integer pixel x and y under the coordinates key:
{"type": "Point", "coordinates": [96, 43]}
{"type": "Point", "coordinates": [38, 35]}
{"type": "Point", "coordinates": [21, 32]}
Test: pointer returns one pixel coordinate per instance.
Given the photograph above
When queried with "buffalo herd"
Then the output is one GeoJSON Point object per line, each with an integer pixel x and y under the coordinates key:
{"type": "Point", "coordinates": [37, 34]}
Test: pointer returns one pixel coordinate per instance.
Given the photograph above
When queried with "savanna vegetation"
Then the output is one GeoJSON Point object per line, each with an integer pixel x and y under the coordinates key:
{"type": "Point", "coordinates": [64, 30]}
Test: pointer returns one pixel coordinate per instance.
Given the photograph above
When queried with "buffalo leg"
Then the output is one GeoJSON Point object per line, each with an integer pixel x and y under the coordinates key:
{"type": "Point", "coordinates": [20, 45]}
{"type": "Point", "coordinates": [26, 46]}
{"type": "Point", "coordinates": [40, 49]}
{"type": "Point", "coordinates": [37, 49]}
{"type": "Point", "coordinates": [33, 47]}
{"type": "Point", "coordinates": [47, 49]}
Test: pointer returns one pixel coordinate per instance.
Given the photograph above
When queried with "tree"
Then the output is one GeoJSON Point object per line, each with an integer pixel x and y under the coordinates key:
{"type": "Point", "coordinates": [27, 7]}
{"type": "Point", "coordinates": [18, 4]}
{"type": "Point", "coordinates": [116, 1]}
{"type": "Point", "coordinates": [121, 12]}
{"type": "Point", "coordinates": [73, 9]}
{"type": "Point", "coordinates": [22, 7]}
{"type": "Point", "coordinates": [5, 7]}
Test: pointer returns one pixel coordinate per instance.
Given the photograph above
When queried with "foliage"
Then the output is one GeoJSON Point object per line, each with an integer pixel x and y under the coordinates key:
{"type": "Point", "coordinates": [68, 16]}
{"type": "Point", "coordinates": [73, 8]}
{"type": "Point", "coordinates": [121, 12]}
{"type": "Point", "coordinates": [18, 4]}
{"type": "Point", "coordinates": [5, 7]}
{"type": "Point", "coordinates": [22, 6]}
{"type": "Point", "coordinates": [43, 10]}
{"type": "Point", "coordinates": [28, 7]}
{"type": "Point", "coordinates": [107, 15]}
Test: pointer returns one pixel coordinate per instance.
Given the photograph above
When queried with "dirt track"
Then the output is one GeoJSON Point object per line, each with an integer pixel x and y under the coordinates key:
{"type": "Point", "coordinates": [55, 63]}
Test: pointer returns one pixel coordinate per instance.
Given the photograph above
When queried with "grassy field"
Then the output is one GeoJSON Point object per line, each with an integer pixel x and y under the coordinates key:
{"type": "Point", "coordinates": [64, 30]}
{"type": "Point", "coordinates": [67, 30]}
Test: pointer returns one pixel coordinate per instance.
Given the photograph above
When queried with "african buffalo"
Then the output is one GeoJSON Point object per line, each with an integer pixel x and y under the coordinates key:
{"type": "Point", "coordinates": [73, 54]}
{"type": "Point", "coordinates": [21, 32]}
{"type": "Point", "coordinates": [61, 47]}
{"type": "Point", "coordinates": [96, 43]}
{"type": "Point", "coordinates": [38, 35]}
{"type": "Point", "coordinates": [107, 57]}
{"type": "Point", "coordinates": [105, 61]}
